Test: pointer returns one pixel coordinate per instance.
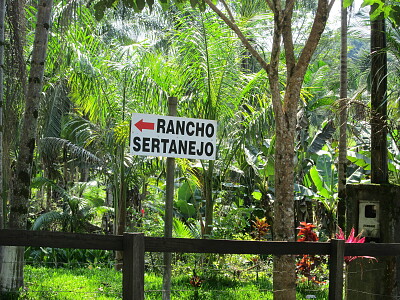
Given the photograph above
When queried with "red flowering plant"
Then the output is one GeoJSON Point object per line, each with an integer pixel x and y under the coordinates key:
{"type": "Point", "coordinates": [352, 239]}
{"type": "Point", "coordinates": [308, 265]}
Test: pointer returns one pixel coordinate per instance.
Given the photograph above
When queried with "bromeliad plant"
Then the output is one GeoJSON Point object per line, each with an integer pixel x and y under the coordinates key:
{"type": "Point", "coordinates": [352, 239]}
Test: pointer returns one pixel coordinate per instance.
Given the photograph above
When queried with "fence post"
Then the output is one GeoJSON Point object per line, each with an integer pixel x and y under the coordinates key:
{"type": "Point", "coordinates": [133, 267]}
{"type": "Point", "coordinates": [169, 203]}
{"type": "Point", "coordinates": [336, 261]}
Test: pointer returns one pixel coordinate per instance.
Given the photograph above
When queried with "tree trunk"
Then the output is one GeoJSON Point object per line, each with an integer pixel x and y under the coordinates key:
{"type": "Point", "coordinates": [284, 283]}
{"type": "Point", "coordinates": [285, 116]}
{"type": "Point", "coordinates": [341, 210]}
{"type": "Point", "coordinates": [208, 185]}
{"type": "Point", "coordinates": [379, 166]}
{"type": "Point", "coordinates": [20, 189]}
{"type": "Point", "coordinates": [121, 213]}
{"type": "Point", "coordinates": [2, 42]}
{"type": "Point", "coordinates": [169, 208]}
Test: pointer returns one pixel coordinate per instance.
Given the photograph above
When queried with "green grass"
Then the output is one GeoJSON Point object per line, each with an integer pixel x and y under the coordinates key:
{"type": "Point", "coordinates": [46, 283]}
{"type": "Point", "coordinates": [84, 283]}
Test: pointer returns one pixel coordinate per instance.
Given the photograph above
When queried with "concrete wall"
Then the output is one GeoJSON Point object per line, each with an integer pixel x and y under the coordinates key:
{"type": "Point", "coordinates": [375, 280]}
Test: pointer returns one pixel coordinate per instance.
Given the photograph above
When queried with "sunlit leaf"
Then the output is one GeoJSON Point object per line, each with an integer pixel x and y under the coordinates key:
{"type": "Point", "coordinates": [359, 160]}
{"type": "Point", "coordinates": [256, 195]}
{"type": "Point", "coordinates": [347, 3]}
{"type": "Point", "coordinates": [319, 183]}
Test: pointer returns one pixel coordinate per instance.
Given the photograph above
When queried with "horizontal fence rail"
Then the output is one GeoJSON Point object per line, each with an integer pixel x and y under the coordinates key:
{"type": "Point", "coordinates": [157, 244]}
{"type": "Point", "coordinates": [135, 245]}
{"type": "Point", "coordinates": [60, 240]}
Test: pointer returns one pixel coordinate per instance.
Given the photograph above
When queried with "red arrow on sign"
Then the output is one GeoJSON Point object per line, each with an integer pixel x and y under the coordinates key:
{"type": "Point", "coordinates": [144, 125]}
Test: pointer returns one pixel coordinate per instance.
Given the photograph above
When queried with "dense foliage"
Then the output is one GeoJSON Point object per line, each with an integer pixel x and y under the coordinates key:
{"type": "Point", "coordinates": [109, 59]}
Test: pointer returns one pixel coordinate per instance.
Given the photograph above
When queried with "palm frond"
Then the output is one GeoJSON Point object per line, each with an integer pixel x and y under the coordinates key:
{"type": "Point", "coordinates": [55, 106]}
{"type": "Point", "coordinates": [181, 230]}
{"type": "Point", "coordinates": [39, 182]}
{"type": "Point", "coordinates": [54, 145]}
{"type": "Point", "coordinates": [45, 220]}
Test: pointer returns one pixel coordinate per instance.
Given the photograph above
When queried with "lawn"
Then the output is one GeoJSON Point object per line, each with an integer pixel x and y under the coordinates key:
{"type": "Point", "coordinates": [93, 283]}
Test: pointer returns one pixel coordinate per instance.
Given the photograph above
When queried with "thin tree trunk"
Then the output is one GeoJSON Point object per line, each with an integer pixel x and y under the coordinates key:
{"type": "Point", "coordinates": [379, 166]}
{"type": "Point", "coordinates": [22, 177]}
{"type": "Point", "coordinates": [12, 278]}
{"type": "Point", "coordinates": [2, 42]}
{"type": "Point", "coordinates": [169, 207]}
{"type": "Point", "coordinates": [122, 193]}
{"type": "Point", "coordinates": [121, 214]}
{"type": "Point", "coordinates": [284, 278]}
{"type": "Point", "coordinates": [208, 180]}
{"type": "Point", "coordinates": [341, 211]}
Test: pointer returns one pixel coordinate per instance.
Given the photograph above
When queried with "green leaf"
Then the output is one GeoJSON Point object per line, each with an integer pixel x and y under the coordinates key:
{"type": "Point", "coordinates": [185, 191]}
{"type": "Point", "coordinates": [302, 190]}
{"type": "Point", "coordinates": [186, 208]}
{"type": "Point", "coordinates": [99, 9]}
{"type": "Point", "coordinates": [317, 180]}
{"type": "Point", "coordinates": [256, 195]}
{"type": "Point", "coordinates": [356, 176]}
{"type": "Point", "coordinates": [140, 4]}
{"type": "Point", "coordinates": [47, 219]}
{"type": "Point", "coordinates": [347, 3]}
{"type": "Point", "coordinates": [359, 160]}
{"type": "Point", "coordinates": [393, 166]}
{"type": "Point", "coordinates": [368, 2]}
{"type": "Point", "coordinates": [270, 168]}
{"type": "Point", "coordinates": [319, 183]}
{"type": "Point", "coordinates": [321, 102]}
{"type": "Point", "coordinates": [395, 15]}
{"type": "Point", "coordinates": [321, 138]}
{"type": "Point", "coordinates": [181, 230]}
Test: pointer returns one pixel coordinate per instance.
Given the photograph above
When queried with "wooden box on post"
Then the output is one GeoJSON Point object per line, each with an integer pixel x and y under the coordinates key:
{"type": "Point", "coordinates": [133, 268]}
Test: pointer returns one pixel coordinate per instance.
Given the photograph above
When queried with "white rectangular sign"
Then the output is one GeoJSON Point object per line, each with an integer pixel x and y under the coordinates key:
{"type": "Point", "coordinates": [156, 135]}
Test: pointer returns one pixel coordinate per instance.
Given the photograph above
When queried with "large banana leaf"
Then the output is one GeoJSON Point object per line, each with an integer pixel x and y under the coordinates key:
{"type": "Point", "coordinates": [322, 137]}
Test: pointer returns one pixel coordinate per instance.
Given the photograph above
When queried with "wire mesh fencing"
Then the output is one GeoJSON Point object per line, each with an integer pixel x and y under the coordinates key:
{"type": "Point", "coordinates": [202, 268]}
{"type": "Point", "coordinates": [55, 273]}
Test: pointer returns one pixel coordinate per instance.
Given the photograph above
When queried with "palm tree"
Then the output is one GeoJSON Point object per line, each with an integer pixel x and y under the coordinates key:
{"type": "Point", "coordinates": [2, 43]}
{"type": "Point", "coordinates": [19, 201]}
{"type": "Point", "coordinates": [77, 210]}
